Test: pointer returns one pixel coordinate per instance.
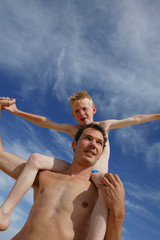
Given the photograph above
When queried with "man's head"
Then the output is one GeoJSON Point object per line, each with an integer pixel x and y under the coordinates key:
{"type": "Point", "coordinates": [89, 144]}
{"type": "Point", "coordinates": [82, 107]}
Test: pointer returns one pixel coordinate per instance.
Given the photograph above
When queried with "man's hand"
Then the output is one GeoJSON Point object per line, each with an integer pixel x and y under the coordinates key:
{"type": "Point", "coordinates": [8, 104]}
{"type": "Point", "coordinates": [113, 193]}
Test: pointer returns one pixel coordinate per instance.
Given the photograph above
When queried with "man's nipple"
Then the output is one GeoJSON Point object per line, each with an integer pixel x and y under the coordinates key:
{"type": "Point", "coordinates": [42, 190]}
{"type": "Point", "coordinates": [84, 204]}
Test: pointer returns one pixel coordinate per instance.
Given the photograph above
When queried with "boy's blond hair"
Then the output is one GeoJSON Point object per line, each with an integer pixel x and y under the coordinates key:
{"type": "Point", "coordinates": [78, 96]}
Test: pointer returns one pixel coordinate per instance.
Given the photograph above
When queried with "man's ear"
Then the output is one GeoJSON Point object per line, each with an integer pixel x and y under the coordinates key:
{"type": "Point", "coordinates": [73, 145]}
{"type": "Point", "coordinates": [94, 109]}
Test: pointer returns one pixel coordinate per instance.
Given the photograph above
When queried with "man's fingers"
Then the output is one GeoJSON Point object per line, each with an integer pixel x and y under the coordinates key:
{"type": "Point", "coordinates": [106, 182]}
{"type": "Point", "coordinates": [111, 178]}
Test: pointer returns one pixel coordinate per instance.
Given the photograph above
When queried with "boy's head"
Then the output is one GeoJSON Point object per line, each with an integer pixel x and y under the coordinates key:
{"type": "Point", "coordinates": [82, 107]}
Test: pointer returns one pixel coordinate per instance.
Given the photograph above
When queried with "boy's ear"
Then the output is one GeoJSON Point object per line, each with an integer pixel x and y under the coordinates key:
{"type": "Point", "coordinates": [94, 109]}
{"type": "Point", "coordinates": [73, 116]}
{"type": "Point", "coordinates": [73, 145]}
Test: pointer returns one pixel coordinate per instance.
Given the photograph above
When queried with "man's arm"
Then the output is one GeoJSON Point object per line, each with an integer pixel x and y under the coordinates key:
{"type": "Point", "coordinates": [136, 119]}
{"type": "Point", "coordinates": [13, 165]}
{"type": "Point", "coordinates": [40, 121]}
{"type": "Point", "coordinates": [113, 193]}
{"type": "Point", "coordinates": [9, 163]}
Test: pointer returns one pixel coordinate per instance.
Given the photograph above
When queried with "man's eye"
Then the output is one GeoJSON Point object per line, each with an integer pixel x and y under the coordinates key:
{"type": "Point", "coordinates": [100, 143]}
{"type": "Point", "coordinates": [87, 138]}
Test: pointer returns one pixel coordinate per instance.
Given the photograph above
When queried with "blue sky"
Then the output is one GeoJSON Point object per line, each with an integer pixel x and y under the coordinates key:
{"type": "Point", "coordinates": [110, 48]}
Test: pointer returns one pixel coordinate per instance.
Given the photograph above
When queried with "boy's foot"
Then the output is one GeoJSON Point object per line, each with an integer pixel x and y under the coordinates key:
{"type": "Point", "coordinates": [4, 221]}
{"type": "Point", "coordinates": [6, 102]}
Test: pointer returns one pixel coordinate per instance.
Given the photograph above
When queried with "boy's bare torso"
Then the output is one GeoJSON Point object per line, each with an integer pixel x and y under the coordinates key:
{"type": "Point", "coordinates": [62, 208]}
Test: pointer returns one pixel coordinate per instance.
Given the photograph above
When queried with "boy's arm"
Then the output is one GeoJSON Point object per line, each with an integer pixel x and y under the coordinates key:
{"type": "Point", "coordinates": [136, 119]}
{"type": "Point", "coordinates": [41, 121]}
{"type": "Point", "coordinates": [113, 193]}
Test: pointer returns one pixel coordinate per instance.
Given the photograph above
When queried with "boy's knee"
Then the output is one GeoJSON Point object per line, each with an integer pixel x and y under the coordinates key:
{"type": "Point", "coordinates": [96, 177]}
{"type": "Point", "coordinates": [35, 160]}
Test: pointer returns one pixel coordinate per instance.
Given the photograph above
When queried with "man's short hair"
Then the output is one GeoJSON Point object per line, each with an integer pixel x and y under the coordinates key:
{"type": "Point", "coordinates": [94, 126]}
{"type": "Point", "coordinates": [78, 96]}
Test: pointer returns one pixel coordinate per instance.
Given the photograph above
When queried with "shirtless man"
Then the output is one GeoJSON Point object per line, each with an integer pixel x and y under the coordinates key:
{"type": "Point", "coordinates": [63, 202]}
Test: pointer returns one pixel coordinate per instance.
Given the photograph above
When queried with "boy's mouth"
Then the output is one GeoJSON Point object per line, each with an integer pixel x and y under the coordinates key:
{"type": "Point", "coordinates": [83, 118]}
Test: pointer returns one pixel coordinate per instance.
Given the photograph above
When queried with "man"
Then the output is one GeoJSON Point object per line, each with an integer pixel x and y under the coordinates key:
{"type": "Point", "coordinates": [63, 202]}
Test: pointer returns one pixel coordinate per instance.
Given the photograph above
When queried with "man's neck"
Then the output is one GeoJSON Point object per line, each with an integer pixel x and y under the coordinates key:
{"type": "Point", "coordinates": [79, 171]}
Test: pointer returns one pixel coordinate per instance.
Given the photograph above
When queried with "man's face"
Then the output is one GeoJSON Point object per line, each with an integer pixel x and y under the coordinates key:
{"type": "Point", "coordinates": [89, 147]}
{"type": "Point", "coordinates": [83, 111]}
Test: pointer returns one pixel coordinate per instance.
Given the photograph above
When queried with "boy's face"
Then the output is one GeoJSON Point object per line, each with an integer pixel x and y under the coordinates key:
{"type": "Point", "coordinates": [83, 111]}
{"type": "Point", "coordinates": [89, 147]}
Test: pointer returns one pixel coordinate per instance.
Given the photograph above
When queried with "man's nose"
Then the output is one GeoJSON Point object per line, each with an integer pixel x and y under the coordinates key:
{"type": "Point", "coordinates": [92, 144]}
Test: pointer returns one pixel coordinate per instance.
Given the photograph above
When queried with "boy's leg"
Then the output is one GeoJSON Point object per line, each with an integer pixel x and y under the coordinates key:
{"type": "Point", "coordinates": [10, 163]}
{"type": "Point", "coordinates": [99, 217]}
{"type": "Point", "coordinates": [22, 185]}
{"type": "Point", "coordinates": [102, 163]}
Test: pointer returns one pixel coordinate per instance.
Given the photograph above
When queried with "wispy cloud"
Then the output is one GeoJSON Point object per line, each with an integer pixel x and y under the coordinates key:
{"type": "Point", "coordinates": [69, 47]}
{"type": "Point", "coordinates": [143, 192]}
{"type": "Point", "coordinates": [140, 210]}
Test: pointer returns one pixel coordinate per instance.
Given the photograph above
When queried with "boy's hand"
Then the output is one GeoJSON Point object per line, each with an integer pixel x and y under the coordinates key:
{"type": "Point", "coordinates": [113, 193]}
{"type": "Point", "coordinates": [8, 104]}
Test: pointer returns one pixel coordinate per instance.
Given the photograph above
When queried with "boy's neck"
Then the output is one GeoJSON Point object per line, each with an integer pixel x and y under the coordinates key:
{"type": "Point", "coordinates": [86, 124]}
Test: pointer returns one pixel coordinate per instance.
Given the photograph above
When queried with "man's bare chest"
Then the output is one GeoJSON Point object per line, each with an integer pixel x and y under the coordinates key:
{"type": "Point", "coordinates": [66, 194]}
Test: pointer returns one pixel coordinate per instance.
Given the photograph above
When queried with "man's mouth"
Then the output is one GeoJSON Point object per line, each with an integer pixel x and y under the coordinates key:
{"type": "Point", "coordinates": [90, 152]}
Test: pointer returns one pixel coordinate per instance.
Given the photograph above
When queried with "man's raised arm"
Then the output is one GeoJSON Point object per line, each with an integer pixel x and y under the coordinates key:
{"type": "Point", "coordinates": [9, 163]}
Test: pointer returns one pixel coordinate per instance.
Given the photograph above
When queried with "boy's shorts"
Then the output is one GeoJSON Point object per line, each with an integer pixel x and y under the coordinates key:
{"type": "Point", "coordinates": [94, 171]}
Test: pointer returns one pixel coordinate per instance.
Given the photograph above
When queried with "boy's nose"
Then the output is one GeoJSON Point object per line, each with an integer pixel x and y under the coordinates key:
{"type": "Point", "coordinates": [81, 112]}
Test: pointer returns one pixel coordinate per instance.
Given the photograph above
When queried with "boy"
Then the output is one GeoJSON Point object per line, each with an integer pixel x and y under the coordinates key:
{"type": "Point", "coordinates": [83, 110]}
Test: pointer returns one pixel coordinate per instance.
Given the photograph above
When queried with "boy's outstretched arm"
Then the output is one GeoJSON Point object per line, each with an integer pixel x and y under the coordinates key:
{"type": "Point", "coordinates": [41, 121]}
{"type": "Point", "coordinates": [136, 119]}
{"type": "Point", "coordinates": [113, 193]}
